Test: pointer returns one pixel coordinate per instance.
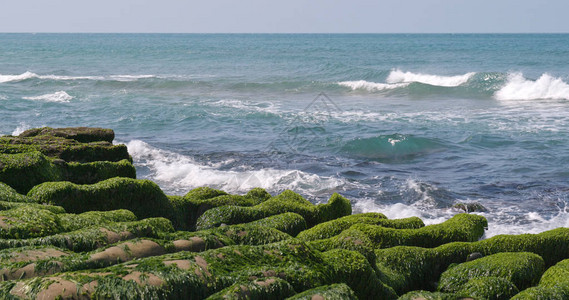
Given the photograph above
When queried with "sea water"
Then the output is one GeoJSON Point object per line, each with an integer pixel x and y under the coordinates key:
{"type": "Point", "coordinates": [406, 125]}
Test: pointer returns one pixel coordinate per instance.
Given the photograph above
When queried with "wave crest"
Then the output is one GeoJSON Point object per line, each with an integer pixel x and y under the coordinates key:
{"type": "Point", "coordinates": [371, 86]}
{"type": "Point", "coordinates": [398, 76]}
{"type": "Point", "coordinates": [520, 88]}
{"type": "Point", "coordinates": [60, 96]}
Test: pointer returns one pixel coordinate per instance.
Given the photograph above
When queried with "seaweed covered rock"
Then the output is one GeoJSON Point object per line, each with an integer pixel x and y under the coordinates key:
{"type": "Point", "coordinates": [335, 227]}
{"type": "Point", "coordinates": [554, 284]}
{"type": "Point", "coordinates": [269, 288]}
{"type": "Point", "coordinates": [7, 193]}
{"type": "Point", "coordinates": [66, 149]}
{"type": "Point", "coordinates": [94, 237]}
{"type": "Point", "coordinates": [287, 201]}
{"type": "Point", "coordinates": [80, 134]}
{"type": "Point", "coordinates": [426, 295]}
{"type": "Point", "coordinates": [337, 291]}
{"type": "Point", "coordinates": [413, 268]}
{"type": "Point", "coordinates": [28, 222]}
{"type": "Point", "coordinates": [143, 197]}
{"type": "Point", "coordinates": [498, 276]}
{"type": "Point", "coordinates": [23, 171]}
{"type": "Point", "coordinates": [191, 206]}
{"type": "Point", "coordinates": [492, 288]}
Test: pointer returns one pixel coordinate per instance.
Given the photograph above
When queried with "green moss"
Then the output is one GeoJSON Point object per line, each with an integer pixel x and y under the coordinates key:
{"type": "Point", "coordinates": [94, 237]}
{"type": "Point", "coordinates": [554, 284]}
{"type": "Point", "coordinates": [188, 208]}
{"type": "Point", "coordinates": [426, 295]}
{"type": "Point", "coordinates": [354, 269]}
{"type": "Point", "coordinates": [349, 239]}
{"type": "Point", "coordinates": [491, 288]}
{"type": "Point", "coordinates": [143, 197]}
{"type": "Point", "coordinates": [287, 201]}
{"type": "Point", "coordinates": [24, 171]}
{"type": "Point", "coordinates": [89, 173]}
{"type": "Point", "coordinates": [9, 194]}
{"type": "Point", "coordinates": [66, 149]}
{"type": "Point", "coordinates": [290, 223]}
{"type": "Point", "coordinates": [338, 291]}
{"type": "Point", "coordinates": [334, 227]}
{"type": "Point", "coordinates": [80, 134]}
{"type": "Point", "coordinates": [28, 222]}
{"type": "Point", "coordinates": [270, 288]}
{"type": "Point", "coordinates": [11, 205]}
{"type": "Point", "coordinates": [412, 268]}
{"type": "Point", "coordinates": [461, 227]}
{"type": "Point", "coordinates": [245, 234]}
{"type": "Point", "coordinates": [71, 222]}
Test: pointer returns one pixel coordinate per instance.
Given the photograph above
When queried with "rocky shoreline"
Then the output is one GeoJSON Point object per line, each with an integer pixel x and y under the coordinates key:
{"type": "Point", "coordinates": [75, 223]}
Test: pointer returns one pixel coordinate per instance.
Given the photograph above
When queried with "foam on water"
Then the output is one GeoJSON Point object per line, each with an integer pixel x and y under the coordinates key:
{"type": "Point", "coordinates": [520, 88]}
{"type": "Point", "coordinates": [15, 78]}
{"type": "Point", "coordinates": [60, 96]}
{"type": "Point", "coordinates": [398, 76]}
{"type": "Point", "coordinates": [31, 75]}
{"type": "Point", "coordinates": [21, 128]}
{"type": "Point", "coordinates": [179, 173]}
{"type": "Point", "coordinates": [371, 86]}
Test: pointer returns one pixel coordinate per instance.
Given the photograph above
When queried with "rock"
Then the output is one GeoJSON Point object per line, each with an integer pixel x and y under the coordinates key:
{"type": "Point", "coordinates": [473, 256]}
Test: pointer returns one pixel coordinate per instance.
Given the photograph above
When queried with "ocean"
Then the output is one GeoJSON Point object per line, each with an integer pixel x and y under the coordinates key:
{"type": "Point", "coordinates": [403, 124]}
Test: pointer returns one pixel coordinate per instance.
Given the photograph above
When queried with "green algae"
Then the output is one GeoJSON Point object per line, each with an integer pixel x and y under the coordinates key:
{"type": "Point", "coordinates": [491, 288]}
{"type": "Point", "coordinates": [554, 284]}
{"type": "Point", "coordinates": [334, 227]}
{"type": "Point", "coordinates": [270, 288]}
{"type": "Point", "coordinates": [337, 291]}
{"type": "Point", "coordinates": [80, 134]}
{"type": "Point", "coordinates": [143, 197]}
{"type": "Point", "coordinates": [287, 201]}
{"type": "Point", "coordinates": [9, 194]}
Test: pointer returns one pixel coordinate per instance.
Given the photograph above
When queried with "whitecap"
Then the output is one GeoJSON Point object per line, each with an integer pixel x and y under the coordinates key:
{"type": "Point", "coordinates": [371, 86]}
{"type": "Point", "coordinates": [60, 96]}
{"type": "Point", "coordinates": [21, 128]}
{"type": "Point", "coordinates": [520, 88]}
{"type": "Point", "coordinates": [179, 173]}
{"type": "Point", "coordinates": [398, 76]}
{"type": "Point", "coordinates": [15, 78]}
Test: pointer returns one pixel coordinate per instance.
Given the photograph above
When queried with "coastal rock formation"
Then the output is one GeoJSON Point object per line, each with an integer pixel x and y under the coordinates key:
{"type": "Point", "coordinates": [75, 223]}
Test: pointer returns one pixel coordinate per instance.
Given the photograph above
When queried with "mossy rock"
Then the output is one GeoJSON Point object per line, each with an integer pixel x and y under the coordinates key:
{"type": "Point", "coordinates": [71, 222]}
{"type": "Point", "coordinates": [287, 201]}
{"type": "Point", "coordinates": [268, 288]}
{"type": "Point", "coordinates": [67, 149]}
{"type": "Point", "coordinates": [191, 206]}
{"type": "Point", "coordinates": [461, 227]}
{"type": "Point", "coordinates": [338, 291]}
{"type": "Point", "coordinates": [7, 193]}
{"type": "Point", "coordinates": [334, 227]}
{"type": "Point", "coordinates": [491, 288]}
{"type": "Point", "coordinates": [290, 223]}
{"type": "Point", "coordinates": [25, 170]}
{"type": "Point", "coordinates": [353, 269]}
{"type": "Point", "coordinates": [408, 268]}
{"type": "Point", "coordinates": [94, 237]}
{"type": "Point", "coordinates": [28, 222]}
{"type": "Point", "coordinates": [349, 239]}
{"type": "Point", "coordinates": [143, 197]}
{"type": "Point", "coordinates": [80, 134]}
{"type": "Point", "coordinates": [554, 284]}
{"type": "Point", "coordinates": [12, 205]}
{"type": "Point", "coordinates": [426, 295]}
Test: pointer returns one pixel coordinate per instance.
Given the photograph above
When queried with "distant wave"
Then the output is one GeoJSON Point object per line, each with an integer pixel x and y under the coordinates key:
{"type": "Point", "coordinates": [546, 87]}
{"type": "Point", "coordinates": [391, 147]}
{"type": "Point", "coordinates": [371, 86]}
{"type": "Point", "coordinates": [31, 75]}
{"type": "Point", "coordinates": [398, 76]}
{"type": "Point", "coordinates": [60, 96]}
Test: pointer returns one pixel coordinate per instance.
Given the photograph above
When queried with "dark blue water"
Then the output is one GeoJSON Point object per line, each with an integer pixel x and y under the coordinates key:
{"type": "Point", "coordinates": [402, 124]}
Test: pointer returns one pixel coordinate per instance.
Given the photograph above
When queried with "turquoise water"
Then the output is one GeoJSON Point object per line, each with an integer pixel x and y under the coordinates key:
{"type": "Point", "coordinates": [402, 124]}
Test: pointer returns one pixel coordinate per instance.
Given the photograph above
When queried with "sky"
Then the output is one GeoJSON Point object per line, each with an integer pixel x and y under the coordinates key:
{"type": "Point", "coordinates": [290, 16]}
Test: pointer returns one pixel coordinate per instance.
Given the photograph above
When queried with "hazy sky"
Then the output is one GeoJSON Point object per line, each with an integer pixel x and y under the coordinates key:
{"type": "Point", "coordinates": [387, 16]}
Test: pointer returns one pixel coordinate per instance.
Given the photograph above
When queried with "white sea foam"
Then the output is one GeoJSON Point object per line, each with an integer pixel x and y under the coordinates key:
{"type": "Point", "coordinates": [371, 86]}
{"type": "Point", "coordinates": [266, 107]}
{"type": "Point", "coordinates": [21, 128]}
{"type": "Point", "coordinates": [398, 76]}
{"type": "Point", "coordinates": [178, 173]}
{"type": "Point", "coordinates": [15, 78]}
{"type": "Point", "coordinates": [60, 96]}
{"type": "Point", "coordinates": [520, 88]}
